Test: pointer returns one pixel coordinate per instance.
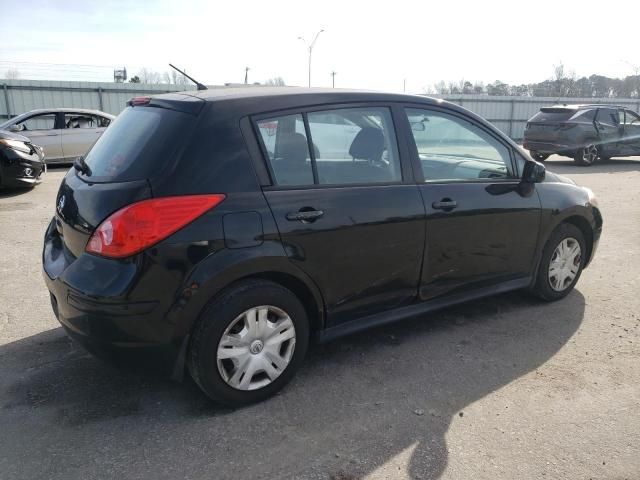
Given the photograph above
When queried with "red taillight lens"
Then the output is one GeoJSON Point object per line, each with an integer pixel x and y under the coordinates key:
{"type": "Point", "coordinates": [140, 225]}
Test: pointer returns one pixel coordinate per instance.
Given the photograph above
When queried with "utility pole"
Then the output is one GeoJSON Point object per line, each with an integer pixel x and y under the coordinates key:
{"type": "Point", "coordinates": [310, 48]}
{"type": "Point", "coordinates": [333, 79]}
{"type": "Point", "coordinates": [404, 86]}
{"type": "Point", "coordinates": [246, 75]}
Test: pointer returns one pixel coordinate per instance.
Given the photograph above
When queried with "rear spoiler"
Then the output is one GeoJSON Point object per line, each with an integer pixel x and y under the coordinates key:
{"type": "Point", "coordinates": [172, 101]}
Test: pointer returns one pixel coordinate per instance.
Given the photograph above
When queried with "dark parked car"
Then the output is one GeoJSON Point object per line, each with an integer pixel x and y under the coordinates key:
{"type": "Point", "coordinates": [21, 162]}
{"type": "Point", "coordinates": [583, 132]}
{"type": "Point", "coordinates": [222, 230]}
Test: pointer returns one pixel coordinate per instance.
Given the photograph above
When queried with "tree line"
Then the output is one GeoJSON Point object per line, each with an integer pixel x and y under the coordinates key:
{"type": "Point", "coordinates": [561, 84]}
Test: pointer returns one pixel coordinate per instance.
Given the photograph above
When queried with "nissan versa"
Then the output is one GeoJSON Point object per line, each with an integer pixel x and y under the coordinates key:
{"type": "Point", "coordinates": [219, 231]}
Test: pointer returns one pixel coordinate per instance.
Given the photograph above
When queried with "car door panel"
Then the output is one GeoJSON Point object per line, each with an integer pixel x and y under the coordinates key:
{"type": "Point", "coordinates": [490, 236]}
{"type": "Point", "coordinates": [364, 252]}
{"type": "Point", "coordinates": [77, 136]}
{"type": "Point", "coordinates": [43, 130]}
{"type": "Point", "coordinates": [630, 141]}
{"type": "Point", "coordinates": [481, 226]}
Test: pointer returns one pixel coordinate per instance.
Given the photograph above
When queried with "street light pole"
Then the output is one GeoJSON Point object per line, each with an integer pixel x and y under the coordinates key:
{"type": "Point", "coordinates": [310, 48]}
{"type": "Point", "coordinates": [333, 79]}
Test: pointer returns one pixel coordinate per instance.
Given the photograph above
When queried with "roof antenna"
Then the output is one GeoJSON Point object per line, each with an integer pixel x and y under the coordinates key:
{"type": "Point", "coordinates": [198, 84]}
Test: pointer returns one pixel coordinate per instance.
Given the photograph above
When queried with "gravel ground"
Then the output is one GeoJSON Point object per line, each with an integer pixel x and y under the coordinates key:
{"type": "Point", "coordinates": [501, 388]}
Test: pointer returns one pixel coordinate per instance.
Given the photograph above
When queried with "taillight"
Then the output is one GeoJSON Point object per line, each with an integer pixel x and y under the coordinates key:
{"type": "Point", "coordinates": [138, 101]}
{"type": "Point", "coordinates": [566, 126]}
{"type": "Point", "coordinates": [140, 225]}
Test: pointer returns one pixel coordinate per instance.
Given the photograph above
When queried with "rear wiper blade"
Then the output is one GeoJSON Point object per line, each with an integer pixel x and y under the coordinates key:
{"type": "Point", "coordinates": [80, 165]}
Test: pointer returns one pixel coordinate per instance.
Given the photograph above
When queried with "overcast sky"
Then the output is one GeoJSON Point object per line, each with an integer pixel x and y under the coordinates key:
{"type": "Point", "coordinates": [369, 44]}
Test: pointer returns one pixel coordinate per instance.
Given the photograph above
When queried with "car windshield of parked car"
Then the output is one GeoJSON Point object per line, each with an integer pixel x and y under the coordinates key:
{"type": "Point", "coordinates": [138, 143]}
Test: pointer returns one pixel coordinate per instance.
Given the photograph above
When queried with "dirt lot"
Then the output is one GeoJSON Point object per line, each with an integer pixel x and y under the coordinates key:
{"type": "Point", "coordinates": [502, 388]}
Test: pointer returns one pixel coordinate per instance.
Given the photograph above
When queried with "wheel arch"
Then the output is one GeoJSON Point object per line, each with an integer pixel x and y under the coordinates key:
{"type": "Point", "coordinates": [585, 227]}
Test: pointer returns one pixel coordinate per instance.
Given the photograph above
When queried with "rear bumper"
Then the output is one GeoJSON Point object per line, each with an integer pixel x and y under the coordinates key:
{"type": "Point", "coordinates": [546, 147]}
{"type": "Point", "coordinates": [118, 328]}
{"type": "Point", "coordinates": [107, 333]}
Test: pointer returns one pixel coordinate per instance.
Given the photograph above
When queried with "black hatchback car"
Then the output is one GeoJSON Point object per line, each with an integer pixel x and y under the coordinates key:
{"type": "Point", "coordinates": [585, 133]}
{"type": "Point", "coordinates": [220, 231]}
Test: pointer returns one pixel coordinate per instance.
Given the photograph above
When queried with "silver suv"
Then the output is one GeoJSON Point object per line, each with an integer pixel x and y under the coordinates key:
{"type": "Point", "coordinates": [64, 133]}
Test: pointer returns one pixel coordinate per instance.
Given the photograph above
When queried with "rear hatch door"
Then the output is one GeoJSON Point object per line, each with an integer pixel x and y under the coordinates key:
{"type": "Point", "coordinates": [547, 124]}
{"type": "Point", "coordinates": [142, 142]}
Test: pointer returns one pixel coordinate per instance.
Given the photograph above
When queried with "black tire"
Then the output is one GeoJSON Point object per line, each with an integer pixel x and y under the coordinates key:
{"type": "Point", "coordinates": [542, 287]}
{"type": "Point", "coordinates": [539, 157]}
{"type": "Point", "coordinates": [586, 156]}
{"type": "Point", "coordinates": [202, 358]}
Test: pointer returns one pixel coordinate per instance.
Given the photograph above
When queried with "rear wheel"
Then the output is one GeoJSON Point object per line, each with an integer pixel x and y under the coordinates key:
{"type": "Point", "coordinates": [540, 157]}
{"type": "Point", "coordinates": [248, 343]}
{"type": "Point", "coordinates": [561, 264]}
{"type": "Point", "coordinates": [586, 156]}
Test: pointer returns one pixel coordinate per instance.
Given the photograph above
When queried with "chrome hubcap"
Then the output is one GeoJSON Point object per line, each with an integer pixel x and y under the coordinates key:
{"type": "Point", "coordinates": [256, 348]}
{"type": "Point", "coordinates": [565, 264]}
{"type": "Point", "coordinates": [590, 154]}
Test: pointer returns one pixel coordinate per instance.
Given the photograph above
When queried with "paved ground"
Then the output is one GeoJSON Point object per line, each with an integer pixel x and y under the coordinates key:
{"type": "Point", "coordinates": [503, 388]}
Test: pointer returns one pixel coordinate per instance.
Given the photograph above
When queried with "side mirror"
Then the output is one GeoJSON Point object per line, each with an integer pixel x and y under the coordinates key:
{"type": "Point", "coordinates": [16, 127]}
{"type": "Point", "coordinates": [418, 127]}
{"type": "Point", "coordinates": [534, 172]}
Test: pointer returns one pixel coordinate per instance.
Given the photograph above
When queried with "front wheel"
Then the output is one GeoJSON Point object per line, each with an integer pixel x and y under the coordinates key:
{"type": "Point", "coordinates": [586, 156]}
{"type": "Point", "coordinates": [561, 264]}
{"type": "Point", "coordinates": [540, 157]}
{"type": "Point", "coordinates": [248, 343]}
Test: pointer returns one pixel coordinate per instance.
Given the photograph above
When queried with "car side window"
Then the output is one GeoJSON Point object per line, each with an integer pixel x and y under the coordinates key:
{"type": "Point", "coordinates": [80, 120]}
{"type": "Point", "coordinates": [287, 149]}
{"type": "Point", "coordinates": [103, 122]}
{"type": "Point", "coordinates": [39, 122]}
{"type": "Point", "coordinates": [607, 116]}
{"type": "Point", "coordinates": [631, 118]}
{"type": "Point", "coordinates": [354, 146]}
{"type": "Point", "coordinates": [453, 149]}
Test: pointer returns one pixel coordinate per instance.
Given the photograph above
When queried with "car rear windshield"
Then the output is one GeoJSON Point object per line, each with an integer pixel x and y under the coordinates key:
{"type": "Point", "coordinates": [551, 114]}
{"type": "Point", "coordinates": [138, 144]}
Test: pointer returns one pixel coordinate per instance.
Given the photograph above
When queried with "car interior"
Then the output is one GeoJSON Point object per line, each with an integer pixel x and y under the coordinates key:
{"type": "Point", "coordinates": [351, 146]}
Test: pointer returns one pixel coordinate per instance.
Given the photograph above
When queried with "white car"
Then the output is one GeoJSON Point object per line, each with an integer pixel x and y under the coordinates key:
{"type": "Point", "coordinates": [64, 133]}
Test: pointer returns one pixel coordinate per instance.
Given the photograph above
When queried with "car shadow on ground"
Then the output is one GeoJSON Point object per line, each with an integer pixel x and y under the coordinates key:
{"type": "Point", "coordinates": [568, 166]}
{"type": "Point", "coordinates": [8, 192]}
{"type": "Point", "coordinates": [357, 403]}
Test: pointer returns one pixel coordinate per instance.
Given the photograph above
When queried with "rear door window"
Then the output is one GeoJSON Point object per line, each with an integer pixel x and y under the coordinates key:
{"type": "Point", "coordinates": [138, 144]}
{"type": "Point", "coordinates": [349, 146]}
{"type": "Point", "coordinates": [287, 149]}
{"type": "Point", "coordinates": [354, 146]}
{"type": "Point", "coordinates": [80, 120]}
{"type": "Point", "coordinates": [607, 116]}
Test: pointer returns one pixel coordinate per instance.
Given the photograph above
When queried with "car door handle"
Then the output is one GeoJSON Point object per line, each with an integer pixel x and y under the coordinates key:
{"type": "Point", "coordinates": [304, 215]}
{"type": "Point", "coordinates": [445, 204]}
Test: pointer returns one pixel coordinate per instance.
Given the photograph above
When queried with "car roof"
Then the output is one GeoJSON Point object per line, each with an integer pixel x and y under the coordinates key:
{"type": "Point", "coordinates": [584, 105]}
{"type": "Point", "coordinates": [252, 99]}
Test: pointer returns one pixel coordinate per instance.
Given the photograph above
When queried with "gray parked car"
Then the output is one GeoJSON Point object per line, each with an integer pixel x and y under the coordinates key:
{"type": "Point", "coordinates": [64, 133]}
{"type": "Point", "coordinates": [585, 133]}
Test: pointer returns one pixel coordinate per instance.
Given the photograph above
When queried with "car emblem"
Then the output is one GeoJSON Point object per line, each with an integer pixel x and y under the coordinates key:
{"type": "Point", "coordinates": [61, 203]}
